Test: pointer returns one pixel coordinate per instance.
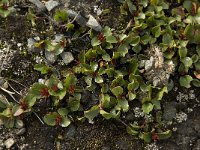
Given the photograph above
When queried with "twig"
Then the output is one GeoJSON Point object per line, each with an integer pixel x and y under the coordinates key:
{"type": "Point", "coordinates": [84, 35]}
{"type": "Point", "coordinates": [14, 90]}
{"type": "Point", "coordinates": [75, 18]}
{"type": "Point", "coordinates": [128, 25]}
{"type": "Point", "coordinates": [7, 51]}
{"type": "Point", "coordinates": [38, 117]}
{"type": "Point", "coordinates": [7, 91]}
{"type": "Point", "coordinates": [17, 82]}
{"type": "Point", "coordinates": [122, 122]}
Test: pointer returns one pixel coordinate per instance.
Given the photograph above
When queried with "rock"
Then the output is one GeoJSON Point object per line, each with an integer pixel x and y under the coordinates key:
{"type": "Point", "coordinates": [67, 57]}
{"type": "Point", "coordinates": [19, 124]}
{"type": "Point", "coordinates": [37, 38]}
{"type": "Point", "coordinates": [41, 7]}
{"type": "Point", "coordinates": [71, 132]}
{"type": "Point", "coordinates": [58, 37]}
{"type": "Point", "coordinates": [79, 18]}
{"type": "Point", "coordinates": [123, 145]}
{"type": "Point", "coordinates": [21, 131]}
{"type": "Point", "coordinates": [9, 143]}
{"type": "Point", "coordinates": [93, 23]}
{"type": "Point", "coordinates": [105, 148]}
{"type": "Point", "coordinates": [51, 4]}
{"type": "Point", "coordinates": [169, 112]}
{"type": "Point", "coordinates": [197, 145]}
{"type": "Point", "coordinates": [31, 44]}
{"type": "Point", "coordinates": [2, 81]}
{"type": "Point", "coordinates": [149, 64]}
{"type": "Point", "coordinates": [50, 56]}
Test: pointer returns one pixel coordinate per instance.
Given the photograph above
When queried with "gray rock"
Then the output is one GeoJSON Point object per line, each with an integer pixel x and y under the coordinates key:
{"type": "Point", "coordinates": [2, 81]}
{"type": "Point", "coordinates": [169, 112]}
{"type": "Point", "coordinates": [123, 145]}
{"type": "Point", "coordinates": [51, 4]}
{"type": "Point", "coordinates": [19, 124]}
{"type": "Point", "coordinates": [197, 145]}
{"type": "Point", "coordinates": [38, 4]}
{"type": "Point", "coordinates": [105, 148]}
{"type": "Point", "coordinates": [149, 64]}
{"type": "Point", "coordinates": [31, 44]}
{"type": "Point", "coordinates": [9, 143]}
{"type": "Point", "coordinates": [67, 57]}
{"type": "Point", "coordinates": [93, 23]}
{"type": "Point", "coordinates": [71, 132]}
{"type": "Point", "coordinates": [37, 38]}
{"type": "Point", "coordinates": [79, 18]}
{"type": "Point", "coordinates": [21, 131]}
{"type": "Point", "coordinates": [50, 56]}
{"type": "Point", "coordinates": [58, 37]}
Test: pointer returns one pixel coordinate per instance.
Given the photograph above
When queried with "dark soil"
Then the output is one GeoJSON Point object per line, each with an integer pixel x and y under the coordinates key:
{"type": "Point", "coordinates": [103, 134]}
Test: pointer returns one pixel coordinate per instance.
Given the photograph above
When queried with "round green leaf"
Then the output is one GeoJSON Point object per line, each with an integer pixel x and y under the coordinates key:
{"type": "Point", "coordinates": [187, 61]}
{"type": "Point", "coordinates": [50, 119]}
{"type": "Point", "coordinates": [111, 39]}
{"type": "Point", "coordinates": [105, 114]}
{"type": "Point", "coordinates": [92, 113]}
{"type": "Point", "coordinates": [117, 91]}
{"type": "Point", "coordinates": [98, 79]}
{"type": "Point", "coordinates": [182, 51]}
{"type": "Point", "coordinates": [95, 41]}
{"type": "Point", "coordinates": [147, 107]}
{"type": "Point", "coordinates": [185, 81]}
{"type": "Point", "coordinates": [156, 31]}
{"type": "Point", "coordinates": [196, 82]}
{"type": "Point", "coordinates": [65, 122]}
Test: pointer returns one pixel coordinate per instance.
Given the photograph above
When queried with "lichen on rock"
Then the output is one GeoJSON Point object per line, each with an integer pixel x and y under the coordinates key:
{"type": "Point", "coordinates": [157, 70]}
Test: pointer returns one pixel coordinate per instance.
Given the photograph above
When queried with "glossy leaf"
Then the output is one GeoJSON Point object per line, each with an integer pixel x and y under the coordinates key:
{"type": "Point", "coordinates": [105, 114]}
{"type": "Point", "coordinates": [98, 79]}
{"type": "Point", "coordinates": [111, 39]}
{"type": "Point", "coordinates": [164, 135]}
{"type": "Point", "coordinates": [63, 111]}
{"type": "Point", "coordinates": [122, 105]}
{"type": "Point", "coordinates": [147, 107]}
{"type": "Point", "coordinates": [182, 52]}
{"type": "Point", "coordinates": [132, 129]}
{"type": "Point", "coordinates": [196, 82]}
{"type": "Point", "coordinates": [187, 61]}
{"type": "Point", "coordinates": [92, 113]}
{"type": "Point", "coordinates": [117, 91]}
{"type": "Point", "coordinates": [49, 119]}
{"type": "Point", "coordinates": [95, 41]}
{"type": "Point", "coordinates": [156, 31]}
{"type": "Point", "coordinates": [185, 81]}
{"type": "Point", "coordinates": [43, 68]}
{"type": "Point", "coordinates": [65, 121]}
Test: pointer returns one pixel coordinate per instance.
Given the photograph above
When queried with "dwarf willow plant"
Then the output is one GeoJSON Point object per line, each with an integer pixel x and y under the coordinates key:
{"type": "Point", "coordinates": [109, 72]}
{"type": "Point", "coordinates": [5, 9]}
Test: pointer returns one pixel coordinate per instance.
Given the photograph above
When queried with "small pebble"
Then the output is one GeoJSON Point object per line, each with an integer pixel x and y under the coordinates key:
{"type": "Point", "coordinates": [93, 23]}
{"type": "Point", "coordinates": [67, 57]}
{"type": "Point", "coordinates": [51, 4]}
{"type": "Point", "coordinates": [9, 143]}
{"type": "Point", "coordinates": [21, 131]}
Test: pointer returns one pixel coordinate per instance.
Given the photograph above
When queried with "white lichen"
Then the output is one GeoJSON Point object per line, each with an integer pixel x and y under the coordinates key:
{"type": "Point", "coordinates": [181, 97]}
{"type": "Point", "coordinates": [138, 112]}
{"type": "Point", "coordinates": [151, 146]}
{"type": "Point", "coordinates": [6, 55]}
{"type": "Point", "coordinates": [181, 117]}
{"type": "Point", "coordinates": [191, 94]}
{"type": "Point", "coordinates": [156, 69]}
